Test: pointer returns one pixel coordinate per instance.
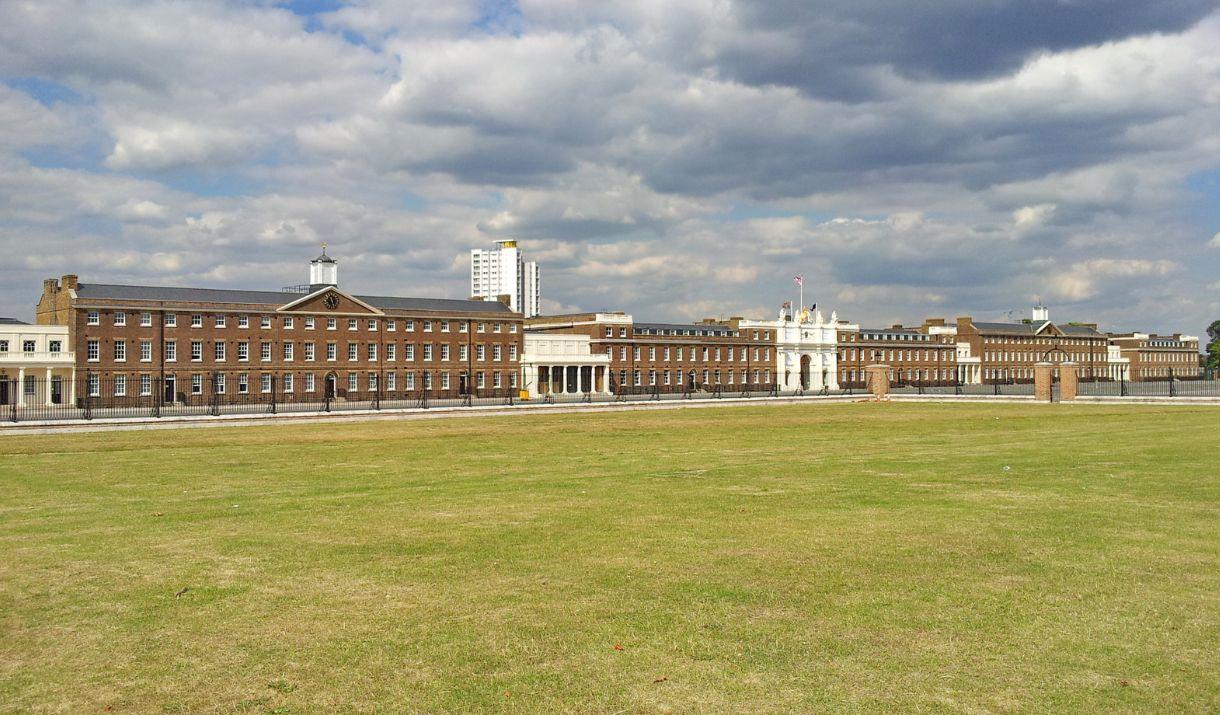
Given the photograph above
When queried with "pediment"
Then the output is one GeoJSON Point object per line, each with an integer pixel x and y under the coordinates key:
{"type": "Point", "coordinates": [329, 300]}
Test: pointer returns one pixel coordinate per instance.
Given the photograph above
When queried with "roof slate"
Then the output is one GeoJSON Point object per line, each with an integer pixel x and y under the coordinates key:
{"type": "Point", "coordinates": [104, 291]}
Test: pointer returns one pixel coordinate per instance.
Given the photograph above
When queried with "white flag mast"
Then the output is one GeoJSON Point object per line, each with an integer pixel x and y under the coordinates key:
{"type": "Point", "coordinates": [800, 306]}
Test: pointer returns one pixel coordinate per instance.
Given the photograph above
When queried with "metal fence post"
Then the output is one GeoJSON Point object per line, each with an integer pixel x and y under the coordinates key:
{"type": "Point", "coordinates": [273, 405]}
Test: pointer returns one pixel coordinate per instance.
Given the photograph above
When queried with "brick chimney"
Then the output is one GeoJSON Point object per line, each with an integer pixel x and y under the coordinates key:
{"type": "Point", "coordinates": [50, 286]}
{"type": "Point", "coordinates": [70, 282]}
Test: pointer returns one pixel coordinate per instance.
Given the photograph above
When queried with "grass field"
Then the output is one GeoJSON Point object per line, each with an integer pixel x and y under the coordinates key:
{"type": "Point", "coordinates": [851, 557]}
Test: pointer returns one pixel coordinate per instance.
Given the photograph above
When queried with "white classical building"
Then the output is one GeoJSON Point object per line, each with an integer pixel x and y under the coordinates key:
{"type": "Point", "coordinates": [806, 349]}
{"type": "Point", "coordinates": [36, 366]}
{"type": "Point", "coordinates": [504, 271]}
{"type": "Point", "coordinates": [562, 364]}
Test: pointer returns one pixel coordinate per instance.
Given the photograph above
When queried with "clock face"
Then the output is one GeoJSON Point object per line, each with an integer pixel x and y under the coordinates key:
{"type": "Point", "coordinates": [331, 301]}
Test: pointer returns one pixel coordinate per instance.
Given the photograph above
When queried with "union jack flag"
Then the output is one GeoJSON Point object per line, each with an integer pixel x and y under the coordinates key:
{"type": "Point", "coordinates": [799, 280]}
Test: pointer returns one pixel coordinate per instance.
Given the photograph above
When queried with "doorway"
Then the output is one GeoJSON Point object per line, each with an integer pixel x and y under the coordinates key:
{"type": "Point", "coordinates": [331, 380]}
{"type": "Point", "coordinates": [806, 361]}
{"type": "Point", "coordinates": [170, 390]}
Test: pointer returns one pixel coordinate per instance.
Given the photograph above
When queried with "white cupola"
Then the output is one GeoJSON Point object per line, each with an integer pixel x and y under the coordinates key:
{"type": "Point", "coordinates": [323, 271]}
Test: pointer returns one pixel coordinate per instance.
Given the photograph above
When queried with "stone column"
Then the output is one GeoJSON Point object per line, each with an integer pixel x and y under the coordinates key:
{"type": "Point", "coordinates": [1044, 377]}
{"type": "Point", "coordinates": [580, 379]}
{"type": "Point", "coordinates": [21, 387]}
{"type": "Point", "coordinates": [47, 387]}
{"type": "Point", "coordinates": [1069, 379]}
{"type": "Point", "coordinates": [877, 377]}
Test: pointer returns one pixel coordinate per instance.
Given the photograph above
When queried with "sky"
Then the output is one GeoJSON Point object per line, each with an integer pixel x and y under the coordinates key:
{"type": "Point", "coordinates": [676, 160]}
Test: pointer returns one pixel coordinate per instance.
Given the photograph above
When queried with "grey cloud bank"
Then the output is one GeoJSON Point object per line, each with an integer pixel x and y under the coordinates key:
{"type": "Point", "coordinates": [671, 159]}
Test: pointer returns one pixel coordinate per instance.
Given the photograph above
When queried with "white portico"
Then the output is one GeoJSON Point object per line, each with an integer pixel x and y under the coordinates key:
{"type": "Point", "coordinates": [562, 364]}
{"type": "Point", "coordinates": [806, 349]}
{"type": "Point", "coordinates": [36, 366]}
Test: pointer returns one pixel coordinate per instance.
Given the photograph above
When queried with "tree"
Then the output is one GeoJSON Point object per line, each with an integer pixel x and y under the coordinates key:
{"type": "Point", "coordinates": [1213, 348]}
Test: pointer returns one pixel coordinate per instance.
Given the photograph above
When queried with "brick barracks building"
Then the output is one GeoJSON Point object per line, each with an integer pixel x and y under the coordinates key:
{"type": "Point", "coordinates": [734, 355]}
{"type": "Point", "coordinates": [1159, 357]}
{"type": "Point", "coordinates": [914, 357]}
{"type": "Point", "coordinates": [314, 342]}
{"type": "Point", "coordinates": [1008, 351]}
{"type": "Point", "coordinates": [668, 356]}
{"type": "Point", "coordinates": [188, 344]}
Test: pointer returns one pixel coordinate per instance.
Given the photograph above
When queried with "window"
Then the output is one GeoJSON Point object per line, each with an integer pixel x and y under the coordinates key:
{"type": "Point", "coordinates": [264, 383]}
{"type": "Point", "coordinates": [289, 324]}
{"type": "Point", "coordinates": [243, 351]}
{"type": "Point", "coordinates": [444, 380]}
{"type": "Point", "coordinates": [196, 384]}
{"type": "Point", "coordinates": [264, 322]}
{"type": "Point", "coordinates": [243, 383]}
{"type": "Point", "coordinates": [410, 352]}
{"type": "Point", "coordinates": [495, 379]}
{"type": "Point", "coordinates": [391, 325]}
{"type": "Point", "coordinates": [353, 352]}
{"type": "Point", "coordinates": [94, 385]}
{"type": "Point", "coordinates": [622, 332]}
{"type": "Point", "coordinates": [372, 381]}
{"type": "Point", "coordinates": [221, 321]}
{"type": "Point", "coordinates": [635, 352]}
{"type": "Point", "coordinates": [444, 352]}
{"type": "Point", "coordinates": [332, 323]}
{"type": "Point", "coordinates": [120, 318]}
{"type": "Point", "coordinates": [264, 352]}
{"type": "Point", "coordinates": [427, 381]}
{"type": "Point", "coordinates": [512, 351]}
{"type": "Point", "coordinates": [512, 379]}
{"type": "Point", "coordinates": [94, 318]}
{"type": "Point", "coordinates": [410, 381]}
{"type": "Point", "coordinates": [427, 326]}
{"type": "Point", "coordinates": [332, 351]}
{"type": "Point", "coordinates": [637, 378]}
{"type": "Point", "coordinates": [288, 386]}
{"type": "Point", "coordinates": [427, 352]}
{"type": "Point", "coordinates": [409, 325]}
{"type": "Point", "coordinates": [310, 382]}
{"type": "Point", "coordinates": [92, 349]}
{"type": "Point", "coordinates": [391, 381]}
{"type": "Point", "coordinates": [496, 352]}
{"type": "Point", "coordinates": [309, 323]}
{"type": "Point", "coordinates": [353, 324]}
{"type": "Point", "coordinates": [243, 321]}
{"type": "Point", "coordinates": [353, 384]}
{"type": "Point", "coordinates": [218, 351]}
{"type": "Point", "coordinates": [145, 320]}
{"type": "Point", "coordinates": [652, 378]}
{"type": "Point", "coordinates": [120, 350]}
{"type": "Point", "coordinates": [120, 386]}
{"type": "Point", "coordinates": [196, 350]}
{"type": "Point", "coordinates": [622, 352]}
{"type": "Point", "coordinates": [145, 384]}
{"type": "Point", "coordinates": [482, 328]}
{"type": "Point", "coordinates": [463, 327]}
{"type": "Point", "coordinates": [310, 352]}
{"type": "Point", "coordinates": [444, 326]}
{"type": "Point", "coordinates": [480, 352]}
{"type": "Point", "coordinates": [495, 328]}
{"type": "Point", "coordinates": [481, 380]}
{"type": "Point", "coordinates": [145, 351]}
{"type": "Point", "coordinates": [609, 332]}
{"type": "Point", "coordinates": [196, 321]}
{"type": "Point", "coordinates": [171, 320]}
{"type": "Point", "coordinates": [512, 327]}
{"type": "Point", "coordinates": [372, 352]}
{"type": "Point", "coordinates": [28, 346]}
{"type": "Point", "coordinates": [391, 351]}
{"type": "Point", "coordinates": [171, 351]}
